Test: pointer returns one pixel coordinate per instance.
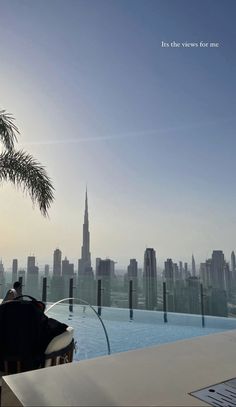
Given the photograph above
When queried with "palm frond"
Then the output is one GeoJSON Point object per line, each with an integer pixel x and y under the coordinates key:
{"type": "Point", "coordinates": [8, 130]}
{"type": "Point", "coordinates": [24, 171]}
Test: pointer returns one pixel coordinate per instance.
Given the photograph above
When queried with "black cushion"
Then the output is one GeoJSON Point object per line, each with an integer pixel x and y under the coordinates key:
{"type": "Point", "coordinates": [25, 332]}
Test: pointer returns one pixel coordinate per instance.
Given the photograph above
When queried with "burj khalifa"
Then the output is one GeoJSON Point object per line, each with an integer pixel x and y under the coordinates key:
{"type": "Point", "coordinates": [85, 261]}
{"type": "Point", "coordinates": [86, 287]}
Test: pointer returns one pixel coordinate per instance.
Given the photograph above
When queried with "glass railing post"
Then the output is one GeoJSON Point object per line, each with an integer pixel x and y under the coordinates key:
{"type": "Point", "coordinates": [131, 299]}
{"type": "Point", "coordinates": [202, 305]}
{"type": "Point", "coordinates": [164, 303]}
{"type": "Point", "coordinates": [44, 292]}
{"type": "Point", "coordinates": [71, 288]}
{"type": "Point", "coordinates": [99, 297]}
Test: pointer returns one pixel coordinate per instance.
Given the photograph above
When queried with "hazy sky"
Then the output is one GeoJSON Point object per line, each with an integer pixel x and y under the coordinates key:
{"type": "Point", "coordinates": [150, 130]}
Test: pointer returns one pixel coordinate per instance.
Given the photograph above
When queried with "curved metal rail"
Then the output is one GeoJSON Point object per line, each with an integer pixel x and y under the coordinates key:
{"type": "Point", "coordinates": [87, 303]}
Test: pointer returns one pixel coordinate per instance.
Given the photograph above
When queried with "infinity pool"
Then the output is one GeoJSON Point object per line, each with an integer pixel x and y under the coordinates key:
{"type": "Point", "coordinates": [146, 328]}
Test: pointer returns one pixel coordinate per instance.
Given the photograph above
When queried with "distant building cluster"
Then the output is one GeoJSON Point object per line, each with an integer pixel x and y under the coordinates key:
{"type": "Point", "coordinates": [141, 287]}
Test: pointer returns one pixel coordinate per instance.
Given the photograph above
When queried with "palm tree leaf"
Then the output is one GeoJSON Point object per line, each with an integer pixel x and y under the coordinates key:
{"type": "Point", "coordinates": [24, 171]}
{"type": "Point", "coordinates": [8, 130]}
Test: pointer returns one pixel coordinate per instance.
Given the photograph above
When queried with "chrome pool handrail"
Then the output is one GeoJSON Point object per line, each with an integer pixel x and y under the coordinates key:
{"type": "Point", "coordinates": [87, 303]}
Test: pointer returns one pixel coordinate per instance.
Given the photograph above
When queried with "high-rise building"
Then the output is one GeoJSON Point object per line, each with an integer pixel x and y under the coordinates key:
{"type": "Point", "coordinates": [32, 277]}
{"type": "Point", "coordinates": [132, 275]}
{"type": "Point", "coordinates": [67, 268]}
{"type": "Point", "coordinates": [168, 274]}
{"type": "Point", "coordinates": [150, 279]}
{"type": "Point", "coordinates": [57, 288]}
{"type": "Point", "coordinates": [186, 271]}
{"type": "Point", "coordinates": [30, 264]}
{"type": "Point", "coordinates": [218, 299]}
{"type": "Point", "coordinates": [233, 263]}
{"type": "Point", "coordinates": [215, 275]}
{"type": "Point", "coordinates": [176, 271]}
{"type": "Point", "coordinates": [86, 284]}
{"type": "Point", "coordinates": [193, 267]}
{"type": "Point", "coordinates": [14, 270]}
{"type": "Point", "coordinates": [85, 260]}
{"type": "Point", "coordinates": [67, 274]}
{"type": "Point", "coordinates": [233, 273]}
{"type": "Point", "coordinates": [193, 290]}
{"type": "Point", "coordinates": [1, 268]}
{"type": "Point", "coordinates": [217, 269]}
{"type": "Point", "coordinates": [57, 262]}
{"type": "Point", "coordinates": [205, 273]}
{"type": "Point", "coordinates": [2, 279]}
{"type": "Point", "coordinates": [228, 280]}
{"type": "Point", "coordinates": [181, 270]}
{"type": "Point", "coordinates": [104, 272]}
{"type": "Point", "coordinates": [180, 296]}
{"type": "Point", "coordinates": [218, 295]}
{"type": "Point", "coordinates": [46, 270]}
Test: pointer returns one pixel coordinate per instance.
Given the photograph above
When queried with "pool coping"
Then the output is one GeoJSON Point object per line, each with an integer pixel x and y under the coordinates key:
{"type": "Point", "coordinates": [155, 376]}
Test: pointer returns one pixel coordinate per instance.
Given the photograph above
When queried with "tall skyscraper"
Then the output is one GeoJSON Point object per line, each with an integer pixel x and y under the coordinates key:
{"type": "Point", "coordinates": [14, 270]}
{"type": "Point", "coordinates": [193, 290]}
{"type": "Point", "coordinates": [1, 267]}
{"type": "Point", "coordinates": [67, 274]}
{"type": "Point", "coordinates": [228, 280]}
{"type": "Point", "coordinates": [217, 271]}
{"type": "Point", "coordinates": [57, 262]}
{"type": "Point", "coordinates": [104, 271]}
{"type": "Point", "coordinates": [67, 268]}
{"type": "Point", "coordinates": [181, 270]}
{"type": "Point", "coordinates": [32, 277]}
{"type": "Point", "coordinates": [205, 273]}
{"type": "Point", "coordinates": [193, 267]}
{"type": "Point", "coordinates": [218, 283]}
{"type": "Point", "coordinates": [57, 289]}
{"type": "Point", "coordinates": [132, 274]}
{"type": "Point", "coordinates": [46, 270]}
{"type": "Point", "coordinates": [30, 264]}
{"type": "Point", "coordinates": [233, 263]}
{"type": "Point", "coordinates": [186, 271]}
{"type": "Point", "coordinates": [176, 271]}
{"type": "Point", "coordinates": [150, 279]}
{"type": "Point", "coordinates": [2, 279]}
{"type": "Point", "coordinates": [168, 274]}
{"type": "Point", "coordinates": [85, 260]}
{"type": "Point", "coordinates": [86, 284]}
{"type": "Point", "coordinates": [233, 272]}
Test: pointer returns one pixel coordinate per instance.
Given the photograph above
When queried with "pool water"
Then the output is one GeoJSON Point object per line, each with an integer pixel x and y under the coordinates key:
{"type": "Point", "coordinates": [147, 328]}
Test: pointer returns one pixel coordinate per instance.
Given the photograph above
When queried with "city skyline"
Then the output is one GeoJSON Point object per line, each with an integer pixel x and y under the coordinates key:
{"type": "Point", "coordinates": [159, 260]}
{"type": "Point", "coordinates": [86, 265]}
{"type": "Point", "coordinates": [149, 129]}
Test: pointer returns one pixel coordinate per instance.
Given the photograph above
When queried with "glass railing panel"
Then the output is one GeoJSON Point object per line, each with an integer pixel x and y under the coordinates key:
{"type": "Point", "coordinates": [180, 295]}
{"type": "Point", "coordinates": [89, 331]}
{"type": "Point", "coordinates": [147, 328]}
{"type": "Point", "coordinates": [181, 311]}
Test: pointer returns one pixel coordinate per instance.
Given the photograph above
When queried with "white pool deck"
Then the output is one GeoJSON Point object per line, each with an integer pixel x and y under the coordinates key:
{"type": "Point", "coordinates": [156, 376]}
